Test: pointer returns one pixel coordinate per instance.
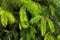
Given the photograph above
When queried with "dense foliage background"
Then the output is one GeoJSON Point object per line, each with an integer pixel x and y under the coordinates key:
{"type": "Point", "coordinates": [29, 19]}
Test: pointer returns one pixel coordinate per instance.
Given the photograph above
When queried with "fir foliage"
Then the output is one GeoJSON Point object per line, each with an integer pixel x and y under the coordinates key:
{"type": "Point", "coordinates": [29, 19]}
